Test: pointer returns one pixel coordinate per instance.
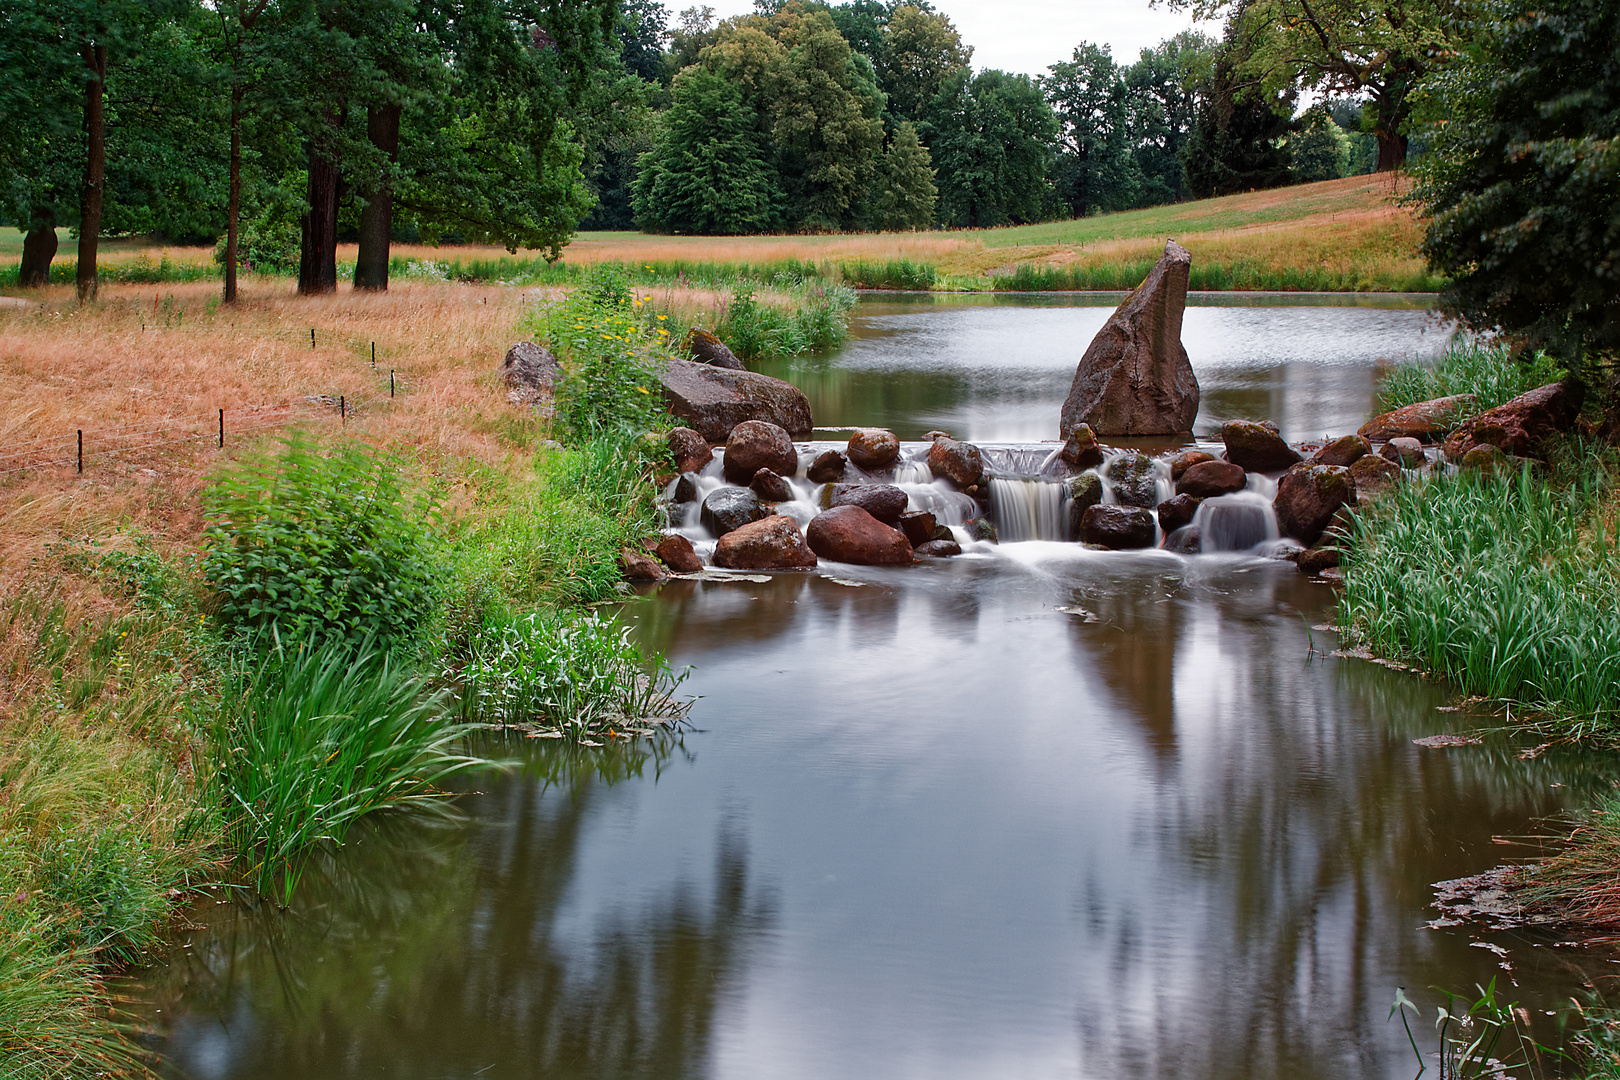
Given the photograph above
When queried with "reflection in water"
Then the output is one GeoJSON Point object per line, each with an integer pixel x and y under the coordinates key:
{"type": "Point", "coordinates": [989, 368]}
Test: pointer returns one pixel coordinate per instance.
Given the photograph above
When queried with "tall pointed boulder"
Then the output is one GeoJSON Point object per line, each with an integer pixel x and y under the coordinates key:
{"type": "Point", "coordinates": [1135, 379]}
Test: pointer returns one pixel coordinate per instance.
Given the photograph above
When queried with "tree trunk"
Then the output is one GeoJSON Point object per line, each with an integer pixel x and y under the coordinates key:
{"type": "Point", "coordinates": [317, 263]}
{"type": "Point", "coordinates": [1391, 150]}
{"type": "Point", "coordinates": [39, 248]}
{"type": "Point", "coordinates": [377, 219]}
{"type": "Point", "coordinates": [95, 169]}
{"type": "Point", "coordinates": [233, 209]}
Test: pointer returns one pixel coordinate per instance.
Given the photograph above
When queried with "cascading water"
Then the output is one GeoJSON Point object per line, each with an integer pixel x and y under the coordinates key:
{"type": "Point", "coordinates": [1029, 509]}
{"type": "Point", "coordinates": [1236, 522]}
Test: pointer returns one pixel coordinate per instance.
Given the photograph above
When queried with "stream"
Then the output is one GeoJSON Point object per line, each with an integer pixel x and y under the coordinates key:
{"type": "Point", "coordinates": [1035, 811]}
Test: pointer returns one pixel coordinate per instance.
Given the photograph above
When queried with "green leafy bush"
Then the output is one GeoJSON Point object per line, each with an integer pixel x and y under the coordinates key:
{"type": "Point", "coordinates": [313, 736]}
{"type": "Point", "coordinates": [818, 320]}
{"type": "Point", "coordinates": [326, 543]}
{"type": "Point", "coordinates": [264, 247]}
{"type": "Point", "coordinates": [571, 674]}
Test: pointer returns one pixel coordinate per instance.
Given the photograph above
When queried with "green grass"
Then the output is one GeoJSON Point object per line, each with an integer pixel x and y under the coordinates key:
{"type": "Point", "coordinates": [1506, 584]}
{"type": "Point", "coordinates": [1488, 371]}
{"type": "Point", "coordinates": [314, 735]}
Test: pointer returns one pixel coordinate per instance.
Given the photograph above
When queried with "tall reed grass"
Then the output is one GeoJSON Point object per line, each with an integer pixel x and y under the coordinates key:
{"type": "Point", "coordinates": [314, 735]}
{"type": "Point", "coordinates": [1507, 584]}
{"type": "Point", "coordinates": [1488, 370]}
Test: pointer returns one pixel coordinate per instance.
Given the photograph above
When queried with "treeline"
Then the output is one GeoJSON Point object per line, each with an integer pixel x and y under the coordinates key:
{"type": "Point", "coordinates": [279, 128]}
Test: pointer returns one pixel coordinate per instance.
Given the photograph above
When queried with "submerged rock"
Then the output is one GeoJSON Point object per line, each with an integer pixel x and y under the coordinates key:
{"type": "Point", "coordinates": [1135, 378]}
{"type": "Point", "coordinates": [873, 448]}
{"type": "Point", "coordinates": [1134, 480]}
{"type": "Point", "coordinates": [756, 445]}
{"type": "Point", "coordinates": [883, 501]}
{"type": "Point", "coordinates": [1177, 511]}
{"type": "Point", "coordinates": [1118, 527]}
{"type": "Point", "coordinates": [1081, 449]}
{"type": "Point", "coordinates": [1209, 479]}
{"type": "Point", "coordinates": [959, 462]}
{"type": "Point", "coordinates": [1425, 421]}
{"type": "Point", "coordinates": [678, 554]}
{"type": "Point", "coordinates": [1405, 451]}
{"type": "Point", "coordinates": [1345, 450]}
{"type": "Point", "coordinates": [827, 468]}
{"type": "Point", "coordinates": [1185, 541]}
{"type": "Point", "coordinates": [770, 487]}
{"type": "Point", "coordinates": [729, 508]}
{"type": "Point", "coordinates": [772, 543]}
{"type": "Point", "coordinates": [849, 534]}
{"type": "Point", "coordinates": [1085, 491]}
{"type": "Point", "coordinates": [705, 348]}
{"type": "Point", "coordinates": [1257, 446]}
{"type": "Point", "coordinates": [714, 400]}
{"type": "Point", "coordinates": [1520, 426]}
{"type": "Point", "coordinates": [689, 449]}
{"type": "Point", "coordinates": [1315, 560]}
{"type": "Point", "coordinates": [939, 549]}
{"type": "Point", "coordinates": [1307, 498]}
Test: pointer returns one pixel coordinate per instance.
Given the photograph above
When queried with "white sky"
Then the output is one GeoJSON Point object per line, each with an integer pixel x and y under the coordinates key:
{"type": "Point", "coordinates": [1029, 35]}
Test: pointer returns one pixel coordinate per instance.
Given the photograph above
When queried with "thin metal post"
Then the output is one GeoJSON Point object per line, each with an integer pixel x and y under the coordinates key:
{"type": "Point", "coordinates": [222, 429]}
{"type": "Point", "coordinates": [390, 382]}
{"type": "Point", "coordinates": [343, 410]}
{"type": "Point", "coordinates": [373, 354]}
{"type": "Point", "coordinates": [312, 337]}
{"type": "Point", "coordinates": [81, 449]}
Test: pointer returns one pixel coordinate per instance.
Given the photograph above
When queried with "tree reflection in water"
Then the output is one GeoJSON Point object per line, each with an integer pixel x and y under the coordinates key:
{"type": "Point", "coordinates": [432, 949]}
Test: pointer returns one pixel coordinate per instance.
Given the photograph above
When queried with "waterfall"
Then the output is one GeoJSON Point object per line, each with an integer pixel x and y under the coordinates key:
{"type": "Point", "coordinates": [1236, 522]}
{"type": "Point", "coordinates": [1030, 509]}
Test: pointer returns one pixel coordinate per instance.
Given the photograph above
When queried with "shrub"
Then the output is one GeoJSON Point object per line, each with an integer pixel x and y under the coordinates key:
{"type": "Point", "coordinates": [571, 674]}
{"type": "Point", "coordinates": [264, 247]}
{"type": "Point", "coordinates": [313, 736]}
{"type": "Point", "coordinates": [1487, 370]}
{"type": "Point", "coordinates": [324, 543]}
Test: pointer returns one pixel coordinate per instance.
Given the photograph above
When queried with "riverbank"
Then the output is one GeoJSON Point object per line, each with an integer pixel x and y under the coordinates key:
{"type": "Point", "coordinates": [1349, 235]}
{"type": "Point", "coordinates": [150, 742]}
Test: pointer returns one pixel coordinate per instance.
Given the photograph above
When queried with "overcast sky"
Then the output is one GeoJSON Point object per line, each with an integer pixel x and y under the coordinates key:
{"type": "Point", "coordinates": [1030, 35]}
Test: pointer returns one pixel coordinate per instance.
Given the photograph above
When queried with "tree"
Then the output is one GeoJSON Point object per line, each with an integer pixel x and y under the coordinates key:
{"type": "Point", "coordinates": [993, 138]}
{"type": "Point", "coordinates": [709, 170]}
{"type": "Point", "coordinates": [1166, 84]}
{"type": "Point", "coordinates": [1521, 184]}
{"type": "Point", "coordinates": [921, 50]}
{"type": "Point", "coordinates": [1374, 48]}
{"type": "Point", "coordinates": [905, 194]}
{"type": "Point", "coordinates": [1319, 149]}
{"type": "Point", "coordinates": [1239, 139]}
{"type": "Point", "coordinates": [1089, 97]}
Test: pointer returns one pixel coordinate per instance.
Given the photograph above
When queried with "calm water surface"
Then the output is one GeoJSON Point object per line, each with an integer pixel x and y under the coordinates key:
{"type": "Point", "coordinates": [1038, 813]}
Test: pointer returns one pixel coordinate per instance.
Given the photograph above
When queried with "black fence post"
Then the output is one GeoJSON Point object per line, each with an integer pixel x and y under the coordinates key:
{"type": "Point", "coordinates": [374, 354]}
{"type": "Point", "coordinates": [312, 337]}
{"type": "Point", "coordinates": [390, 382]}
{"type": "Point", "coordinates": [222, 429]}
{"type": "Point", "coordinates": [81, 449]}
{"type": "Point", "coordinates": [343, 410]}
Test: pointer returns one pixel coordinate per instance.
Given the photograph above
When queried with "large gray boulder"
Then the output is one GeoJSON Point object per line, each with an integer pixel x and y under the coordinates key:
{"type": "Point", "coordinates": [1135, 378]}
{"type": "Point", "coordinates": [714, 400]}
{"type": "Point", "coordinates": [530, 373]}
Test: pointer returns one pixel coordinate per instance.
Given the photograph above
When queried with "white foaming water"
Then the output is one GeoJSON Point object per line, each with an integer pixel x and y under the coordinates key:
{"type": "Point", "coordinates": [1030, 509]}
{"type": "Point", "coordinates": [1236, 522]}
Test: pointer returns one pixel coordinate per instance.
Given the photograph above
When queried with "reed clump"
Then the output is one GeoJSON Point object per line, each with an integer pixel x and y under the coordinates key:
{"type": "Point", "coordinates": [1490, 371]}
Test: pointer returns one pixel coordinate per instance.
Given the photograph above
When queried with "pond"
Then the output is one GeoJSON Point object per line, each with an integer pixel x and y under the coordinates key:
{"type": "Point", "coordinates": [1032, 812]}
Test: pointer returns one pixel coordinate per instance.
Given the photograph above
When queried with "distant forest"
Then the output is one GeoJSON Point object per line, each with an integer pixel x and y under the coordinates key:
{"type": "Point", "coordinates": [279, 128]}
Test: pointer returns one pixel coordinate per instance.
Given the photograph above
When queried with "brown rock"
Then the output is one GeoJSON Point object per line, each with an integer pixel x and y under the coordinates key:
{"type": "Point", "coordinates": [1134, 480]}
{"type": "Point", "coordinates": [1307, 498]}
{"type": "Point", "coordinates": [714, 400]}
{"type": "Point", "coordinates": [1520, 426]}
{"type": "Point", "coordinates": [828, 468]}
{"type": "Point", "coordinates": [685, 489]}
{"type": "Point", "coordinates": [874, 448]}
{"type": "Point", "coordinates": [689, 449]}
{"type": "Point", "coordinates": [919, 527]}
{"type": "Point", "coordinates": [772, 543]}
{"type": "Point", "coordinates": [851, 535]}
{"type": "Point", "coordinates": [1485, 458]}
{"type": "Point", "coordinates": [639, 567]}
{"type": "Point", "coordinates": [704, 348]}
{"type": "Point", "coordinates": [1257, 446]}
{"type": "Point", "coordinates": [1345, 450]}
{"type": "Point", "coordinates": [1316, 560]}
{"type": "Point", "coordinates": [1113, 526]}
{"type": "Point", "coordinates": [959, 462]}
{"type": "Point", "coordinates": [530, 373]}
{"type": "Point", "coordinates": [756, 445]}
{"type": "Point", "coordinates": [939, 549]}
{"type": "Point", "coordinates": [1080, 448]}
{"type": "Point", "coordinates": [1085, 491]}
{"type": "Point", "coordinates": [770, 487]}
{"type": "Point", "coordinates": [1405, 451]}
{"type": "Point", "coordinates": [1186, 460]}
{"type": "Point", "coordinates": [1177, 511]}
{"type": "Point", "coordinates": [1425, 421]}
{"type": "Point", "coordinates": [677, 553]}
{"type": "Point", "coordinates": [1208, 479]}
{"type": "Point", "coordinates": [1374, 475]}
{"type": "Point", "coordinates": [883, 501]}
{"type": "Point", "coordinates": [1135, 378]}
